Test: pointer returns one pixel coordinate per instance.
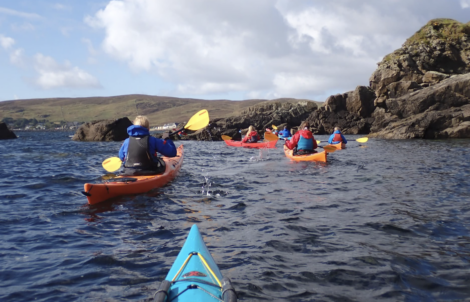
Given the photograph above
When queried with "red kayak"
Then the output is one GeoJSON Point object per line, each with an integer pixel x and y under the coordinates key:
{"type": "Point", "coordinates": [260, 145]}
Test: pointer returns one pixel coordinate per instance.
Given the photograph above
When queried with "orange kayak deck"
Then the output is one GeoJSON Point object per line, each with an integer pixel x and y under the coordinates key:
{"type": "Point", "coordinates": [320, 156]}
{"type": "Point", "coordinates": [131, 185]}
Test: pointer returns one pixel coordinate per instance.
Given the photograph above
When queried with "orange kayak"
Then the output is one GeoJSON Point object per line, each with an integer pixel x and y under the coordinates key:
{"type": "Point", "coordinates": [130, 185]}
{"type": "Point", "coordinates": [260, 145]}
{"type": "Point", "coordinates": [320, 156]}
{"type": "Point", "coordinates": [338, 146]}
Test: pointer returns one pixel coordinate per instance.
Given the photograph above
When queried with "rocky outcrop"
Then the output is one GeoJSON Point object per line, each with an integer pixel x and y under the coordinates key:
{"type": "Point", "coordinates": [422, 88]}
{"type": "Point", "coordinates": [439, 49]}
{"type": "Point", "coordinates": [104, 130]}
{"type": "Point", "coordinates": [439, 111]}
{"type": "Point", "coordinates": [6, 133]}
{"type": "Point", "coordinates": [351, 111]}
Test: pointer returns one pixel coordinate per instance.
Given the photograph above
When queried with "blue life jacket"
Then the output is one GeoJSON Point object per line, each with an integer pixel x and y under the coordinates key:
{"type": "Point", "coordinates": [305, 144]}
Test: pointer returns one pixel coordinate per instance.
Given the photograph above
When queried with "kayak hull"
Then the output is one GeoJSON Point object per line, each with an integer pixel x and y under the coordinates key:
{"type": "Point", "coordinates": [262, 145]}
{"type": "Point", "coordinates": [338, 146]}
{"type": "Point", "coordinates": [320, 156]}
{"type": "Point", "coordinates": [194, 275]}
{"type": "Point", "coordinates": [131, 185]}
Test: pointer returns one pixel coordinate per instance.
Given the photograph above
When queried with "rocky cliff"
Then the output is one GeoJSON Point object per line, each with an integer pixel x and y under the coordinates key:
{"type": "Point", "coordinates": [6, 133]}
{"type": "Point", "coordinates": [422, 89]}
{"type": "Point", "coordinates": [419, 91]}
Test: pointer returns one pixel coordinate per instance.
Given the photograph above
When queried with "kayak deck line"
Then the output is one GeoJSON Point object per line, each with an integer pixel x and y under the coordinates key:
{"type": "Point", "coordinates": [203, 261]}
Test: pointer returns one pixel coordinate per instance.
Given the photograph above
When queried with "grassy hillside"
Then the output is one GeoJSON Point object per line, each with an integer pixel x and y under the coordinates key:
{"type": "Point", "coordinates": [160, 110]}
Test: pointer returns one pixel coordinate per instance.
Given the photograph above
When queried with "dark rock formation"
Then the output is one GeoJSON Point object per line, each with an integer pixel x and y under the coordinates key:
{"type": "Point", "coordinates": [437, 50]}
{"type": "Point", "coordinates": [439, 111]}
{"type": "Point", "coordinates": [423, 88]}
{"type": "Point", "coordinates": [104, 130]}
{"type": "Point", "coordinates": [6, 133]}
{"type": "Point", "coordinates": [350, 111]}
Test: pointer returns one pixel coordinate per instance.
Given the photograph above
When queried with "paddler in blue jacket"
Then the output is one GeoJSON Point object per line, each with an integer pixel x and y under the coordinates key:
{"type": "Point", "coordinates": [139, 152]}
{"type": "Point", "coordinates": [303, 141]}
{"type": "Point", "coordinates": [284, 133]}
{"type": "Point", "coordinates": [337, 137]}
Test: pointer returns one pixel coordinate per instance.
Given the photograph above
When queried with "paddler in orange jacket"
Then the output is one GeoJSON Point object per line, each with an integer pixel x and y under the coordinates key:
{"type": "Point", "coordinates": [251, 136]}
{"type": "Point", "coordinates": [303, 141]}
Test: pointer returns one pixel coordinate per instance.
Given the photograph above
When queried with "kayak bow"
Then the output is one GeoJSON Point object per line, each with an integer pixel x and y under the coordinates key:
{"type": "Point", "coordinates": [194, 276]}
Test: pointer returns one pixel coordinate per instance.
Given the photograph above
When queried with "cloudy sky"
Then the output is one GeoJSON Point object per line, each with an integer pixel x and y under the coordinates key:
{"type": "Point", "coordinates": [209, 49]}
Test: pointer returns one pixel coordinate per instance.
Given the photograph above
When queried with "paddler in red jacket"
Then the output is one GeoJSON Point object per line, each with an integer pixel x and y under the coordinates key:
{"type": "Point", "coordinates": [337, 137]}
{"type": "Point", "coordinates": [251, 136]}
{"type": "Point", "coordinates": [303, 141]}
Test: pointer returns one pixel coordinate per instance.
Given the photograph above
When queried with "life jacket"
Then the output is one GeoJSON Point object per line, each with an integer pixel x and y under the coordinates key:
{"type": "Point", "coordinates": [138, 156]}
{"type": "Point", "coordinates": [305, 143]}
{"type": "Point", "coordinates": [337, 138]}
{"type": "Point", "coordinates": [253, 137]}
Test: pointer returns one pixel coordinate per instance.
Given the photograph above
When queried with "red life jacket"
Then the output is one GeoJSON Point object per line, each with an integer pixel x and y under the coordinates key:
{"type": "Point", "coordinates": [337, 138]}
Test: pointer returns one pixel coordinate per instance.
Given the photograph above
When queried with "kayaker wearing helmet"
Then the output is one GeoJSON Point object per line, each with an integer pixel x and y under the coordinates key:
{"type": "Point", "coordinates": [139, 152]}
{"type": "Point", "coordinates": [303, 141]}
{"type": "Point", "coordinates": [284, 133]}
{"type": "Point", "coordinates": [251, 136]}
{"type": "Point", "coordinates": [337, 137]}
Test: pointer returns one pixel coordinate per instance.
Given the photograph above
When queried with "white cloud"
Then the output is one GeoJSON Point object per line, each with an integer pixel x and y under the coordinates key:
{"type": "Point", "coordinates": [6, 42]}
{"type": "Point", "coordinates": [465, 3]}
{"type": "Point", "coordinates": [278, 48]}
{"type": "Point", "coordinates": [54, 75]}
{"type": "Point", "coordinates": [16, 13]}
{"type": "Point", "coordinates": [60, 6]}
{"type": "Point", "coordinates": [17, 57]}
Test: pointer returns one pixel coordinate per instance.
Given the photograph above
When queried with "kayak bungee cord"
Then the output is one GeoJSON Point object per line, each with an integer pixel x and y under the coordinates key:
{"type": "Point", "coordinates": [205, 264]}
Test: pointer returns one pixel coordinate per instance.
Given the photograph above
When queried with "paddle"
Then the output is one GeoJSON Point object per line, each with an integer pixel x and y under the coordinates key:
{"type": "Point", "coordinates": [226, 137]}
{"type": "Point", "coordinates": [362, 140]}
{"type": "Point", "coordinates": [274, 127]}
{"type": "Point", "coordinates": [196, 122]}
{"type": "Point", "coordinates": [329, 149]}
{"type": "Point", "coordinates": [112, 164]}
{"type": "Point", "coordinates": [270, 137]}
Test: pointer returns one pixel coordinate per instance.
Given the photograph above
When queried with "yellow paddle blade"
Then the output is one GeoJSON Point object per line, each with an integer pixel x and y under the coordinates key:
{"type": "Point", "coordinates": [226, 137]}
{"type": "Point", "coordinates": [198, 121]}
{"type": "Point", "coordinates": [274, 127]}
{"type": "Point", "coordinates": [270, 137]}
{"type": "Point", "coordinates": [112, 164]}
{"type": "Point", "coordinates": [330, 149]}
{"type": "Point", "coordinates": [318, 142]}
{"type": "Point", "coordinates": [362, 140]}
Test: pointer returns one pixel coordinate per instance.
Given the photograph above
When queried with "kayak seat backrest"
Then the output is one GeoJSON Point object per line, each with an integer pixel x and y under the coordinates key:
{"type": "Point", "coordinates": [228, 292]}
{"type": "Point", "coordinates": [162, 292]}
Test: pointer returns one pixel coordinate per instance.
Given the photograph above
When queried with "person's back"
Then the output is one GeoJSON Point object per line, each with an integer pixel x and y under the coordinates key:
{"type": "Point", "coordinates": [139, 151]}
{"type": "Point", "coordinates": [337, 137]}
{"type": "Point", "coordinates": [284, 133]}
{"type": "Point", "coordinates": [251, 136]}
{"type": "Point", "coordinates": [303, 141]}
